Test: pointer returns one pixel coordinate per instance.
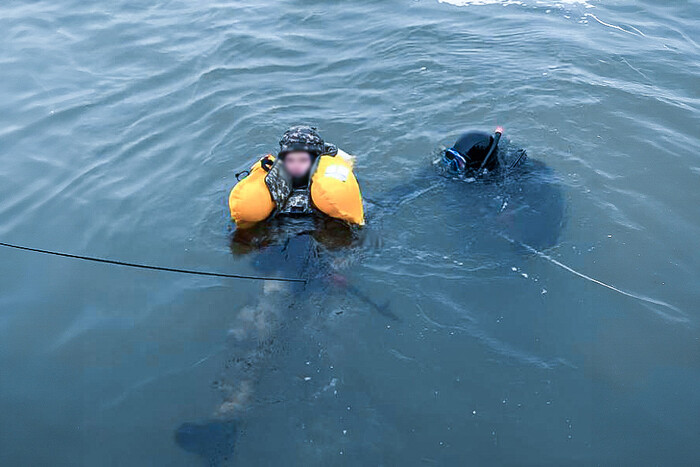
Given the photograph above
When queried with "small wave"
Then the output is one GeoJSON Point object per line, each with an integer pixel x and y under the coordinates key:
{"type": "Point", "coordinates": [553, 4]}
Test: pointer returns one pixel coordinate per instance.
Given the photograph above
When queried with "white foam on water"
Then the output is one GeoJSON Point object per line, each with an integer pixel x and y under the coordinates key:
{"type": "Point", "coordinates": [553, 4]}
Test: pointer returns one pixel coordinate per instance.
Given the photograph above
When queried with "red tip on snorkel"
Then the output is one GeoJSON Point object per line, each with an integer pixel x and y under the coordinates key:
{"type": "Point", "coordinates": [499, 129]}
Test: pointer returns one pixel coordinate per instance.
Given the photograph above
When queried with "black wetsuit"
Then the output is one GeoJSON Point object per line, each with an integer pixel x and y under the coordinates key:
{"type": "Point", "coordinates": [515, 197]}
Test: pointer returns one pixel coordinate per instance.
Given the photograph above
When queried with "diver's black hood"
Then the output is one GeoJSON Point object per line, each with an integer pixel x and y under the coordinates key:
{"type": "Point", "coordinates": [474, 146]}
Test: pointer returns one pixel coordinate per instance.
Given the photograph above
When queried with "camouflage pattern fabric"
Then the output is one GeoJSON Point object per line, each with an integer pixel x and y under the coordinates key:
{"type": "Point", "coordinates": [302, 138]}
{"type": "Point", "coordinates": [298, 203]}
{"type": "Point", "coordinates": [279, 183]}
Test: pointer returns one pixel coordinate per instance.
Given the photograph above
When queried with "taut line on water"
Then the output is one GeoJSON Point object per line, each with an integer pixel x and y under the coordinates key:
{"type": "Point", "coordinates": [648, 300]}
{"type": "Point", "coordinates": [151, 267]}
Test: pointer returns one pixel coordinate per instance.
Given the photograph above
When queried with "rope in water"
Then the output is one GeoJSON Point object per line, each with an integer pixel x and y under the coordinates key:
{"type": "Point", "coordinates": [150, 267]}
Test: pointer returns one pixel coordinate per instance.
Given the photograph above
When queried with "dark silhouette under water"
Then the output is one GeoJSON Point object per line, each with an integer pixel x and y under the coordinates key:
{"type": "Point", "coordinates": [521, 200]}
{"type": "Point", "coordinates": [310, 247]}
{"type": "Point", "coordinates": [214, 440]}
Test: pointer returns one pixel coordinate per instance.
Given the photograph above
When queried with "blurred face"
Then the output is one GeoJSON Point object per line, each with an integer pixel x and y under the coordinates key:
{"type": "Point", "coordinates": [297, 163]}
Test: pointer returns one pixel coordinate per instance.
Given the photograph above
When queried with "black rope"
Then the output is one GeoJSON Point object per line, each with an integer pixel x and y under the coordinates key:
{"type": "Point", "coordinates": [152, 268]}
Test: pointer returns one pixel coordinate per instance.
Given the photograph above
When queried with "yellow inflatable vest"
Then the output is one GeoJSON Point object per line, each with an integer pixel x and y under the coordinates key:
{"type": "Point", "coordinates": [250, 201]}
{"type": "Point", "coordinates": [333, 190]}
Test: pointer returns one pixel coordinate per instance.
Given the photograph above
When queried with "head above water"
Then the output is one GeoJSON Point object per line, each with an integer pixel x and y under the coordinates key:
{"type": "Point", "coordinates": [472, 151]}
{"type": "Point", "coordinates": [299, 148]}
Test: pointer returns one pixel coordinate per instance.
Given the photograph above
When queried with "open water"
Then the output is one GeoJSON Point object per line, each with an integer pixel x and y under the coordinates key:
{"type": "Point", "coordinates": [122, 124]}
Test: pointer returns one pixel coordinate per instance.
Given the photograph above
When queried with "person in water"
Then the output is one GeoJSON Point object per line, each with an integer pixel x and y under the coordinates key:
{"type": "Point", "coordinates": [309, 180]}
{"type": "Point", "coordinates": [494, 190]}
{"type": "Point", "coordinates": [531, 210]}
{"type": "Point", "coordinates": [284, 211]}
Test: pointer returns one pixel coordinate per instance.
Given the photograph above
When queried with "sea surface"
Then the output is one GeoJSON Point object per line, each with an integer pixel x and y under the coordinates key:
{"type": "Point", "coordinates": [123, 123]}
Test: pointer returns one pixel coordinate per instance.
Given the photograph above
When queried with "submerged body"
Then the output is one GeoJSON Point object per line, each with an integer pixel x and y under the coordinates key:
{"type": "Point", "coordinates": [289, 211]}
{"type": "Point", "coordinates": [526, 195]}
{"type": "Point", "coordinates": [287, 247]}
{"type": "Point", "coordinates": [510, 197]}
{"type": "Point", "coordinates": [533, 209]}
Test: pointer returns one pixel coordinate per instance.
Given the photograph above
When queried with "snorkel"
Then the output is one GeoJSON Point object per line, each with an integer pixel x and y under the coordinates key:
{"type": "Point", "coordinates": [494, 145]}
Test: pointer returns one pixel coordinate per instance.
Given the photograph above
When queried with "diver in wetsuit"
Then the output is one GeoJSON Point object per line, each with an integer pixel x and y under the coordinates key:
{"type": "Point", "coordinates": [532, 206]}
{"type": "Point", "coordinates": [493, 188]}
